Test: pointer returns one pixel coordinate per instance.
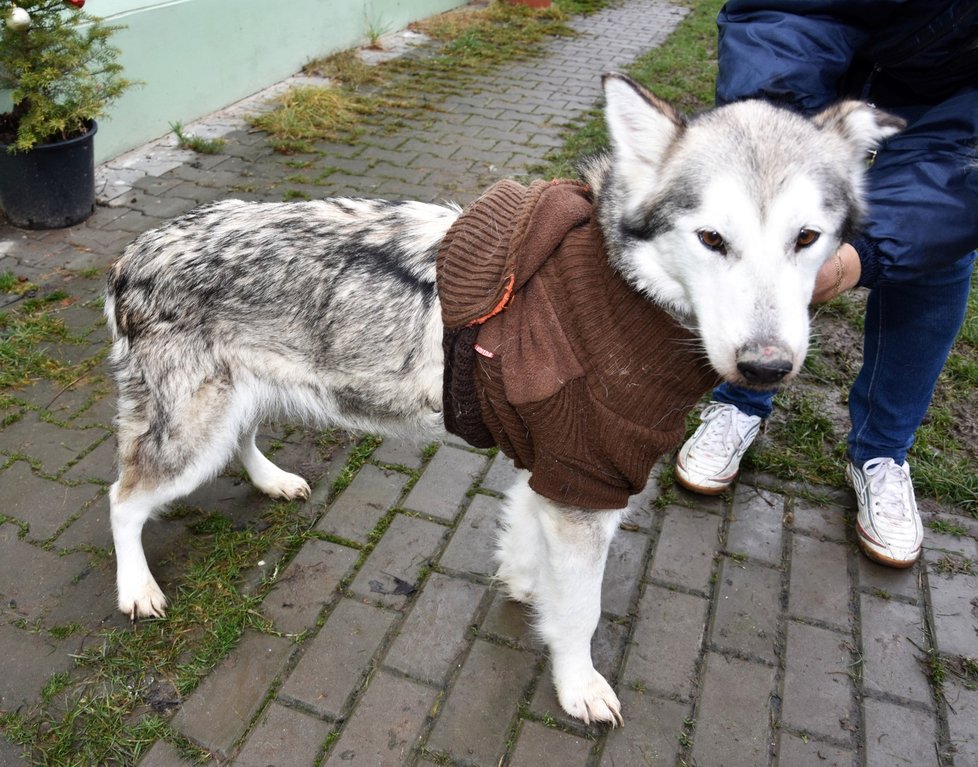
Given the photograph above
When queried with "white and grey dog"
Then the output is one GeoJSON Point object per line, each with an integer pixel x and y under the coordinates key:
{"type": "Point", "coordinates": [327, 312]}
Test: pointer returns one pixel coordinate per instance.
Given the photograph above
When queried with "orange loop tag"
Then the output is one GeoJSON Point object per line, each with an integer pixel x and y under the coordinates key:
{"type": "Point", "coordinates": [503, 302]}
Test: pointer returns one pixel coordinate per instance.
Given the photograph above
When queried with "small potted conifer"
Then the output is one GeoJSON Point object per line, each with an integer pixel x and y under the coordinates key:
{"type": "Point", "coordinates": [60, 73]}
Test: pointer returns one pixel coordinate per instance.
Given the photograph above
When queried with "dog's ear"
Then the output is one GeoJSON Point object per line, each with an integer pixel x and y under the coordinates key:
{"type": "Point", "coordinates": [862, 125]}
{"type": "Point", "coordinates": [641, 126]}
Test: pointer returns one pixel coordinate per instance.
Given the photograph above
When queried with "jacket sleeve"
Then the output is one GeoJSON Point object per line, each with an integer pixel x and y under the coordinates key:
{"type": "Point", "coordinates": [922, 193]}
{"type": "Point", "coordinates": [792, 53]}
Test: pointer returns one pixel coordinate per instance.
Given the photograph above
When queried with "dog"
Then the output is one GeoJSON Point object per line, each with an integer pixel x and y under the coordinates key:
{"type": "Point", "coordinates": [327, 312]}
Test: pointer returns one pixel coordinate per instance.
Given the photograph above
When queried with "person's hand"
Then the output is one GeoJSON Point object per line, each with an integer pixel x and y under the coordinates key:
{"type": "Point", "coordinates": [838, 274]}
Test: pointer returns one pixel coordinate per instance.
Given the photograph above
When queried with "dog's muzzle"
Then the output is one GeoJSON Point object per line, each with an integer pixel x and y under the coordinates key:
{"type": "Point", "coordinates": [764, 365]}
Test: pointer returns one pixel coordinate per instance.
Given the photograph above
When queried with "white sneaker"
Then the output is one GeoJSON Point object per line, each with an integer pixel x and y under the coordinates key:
{"type": "Point", "coordinates": [709, 460]}
{"type": "Point", "coordinates": [888, 524]}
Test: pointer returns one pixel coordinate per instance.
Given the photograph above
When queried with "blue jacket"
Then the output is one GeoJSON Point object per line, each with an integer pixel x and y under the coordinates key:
{"type": "Point", "coordinates": [916, 58]}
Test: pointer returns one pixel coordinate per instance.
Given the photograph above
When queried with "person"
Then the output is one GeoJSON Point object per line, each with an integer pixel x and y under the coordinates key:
{"type": "Point", "coordinates": [915, 252]}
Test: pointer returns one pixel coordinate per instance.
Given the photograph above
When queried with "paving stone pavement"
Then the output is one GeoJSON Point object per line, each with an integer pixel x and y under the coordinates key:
{"type": "Point", "coordinates": [738, 631]}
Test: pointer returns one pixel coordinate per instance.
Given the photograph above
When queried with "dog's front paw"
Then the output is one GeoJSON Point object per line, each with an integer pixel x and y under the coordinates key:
{"type": "Point", "coordinates": [284, 485]}
{"type": "Point", "coordinates": [589, 697]}
{"type": "Point", "coordinates": [145, 602]}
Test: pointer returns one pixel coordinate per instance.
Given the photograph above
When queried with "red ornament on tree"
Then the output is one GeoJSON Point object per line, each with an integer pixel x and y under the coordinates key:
{"type": "Point", "coordinates": [76, 3]}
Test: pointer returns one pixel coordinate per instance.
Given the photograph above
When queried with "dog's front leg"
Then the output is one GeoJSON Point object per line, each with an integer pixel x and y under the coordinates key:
{"type": "Point", "coordinates": [569, 607]}
{"type": "Point", "coordinates": [571, 551]}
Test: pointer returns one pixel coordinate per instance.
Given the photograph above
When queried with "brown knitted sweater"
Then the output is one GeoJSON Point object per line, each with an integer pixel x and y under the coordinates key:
{"type": "Point", "coordinates": [577, 377]}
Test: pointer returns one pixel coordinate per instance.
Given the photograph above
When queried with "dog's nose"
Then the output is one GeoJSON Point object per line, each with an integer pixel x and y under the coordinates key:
{"type": "Point", "coordinates": [764, 373]}
{"type": "Point", "coordinates": [764, 365]}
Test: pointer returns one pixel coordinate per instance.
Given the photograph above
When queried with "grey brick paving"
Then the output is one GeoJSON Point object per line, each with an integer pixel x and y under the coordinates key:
{"type": "Point", "coordinates": [471, 547]}
{"type": "Point", "coordinates": [283, 736]}
{"type": "Point", "coordinates": [734, 716]}
{"type": "Point", "coordinates": [218, 711]}
{"type": "Point", "coordinates": [817, 693]}
{"type": "Point", "coordinates": [684, 554]}
{"type": "Point", "coordinates": [441, 490]}
{"type": "Point", "coordinates": [481, 708]}
{"type": "Point", "coordinates": [652, 736]}
{"type": "Point", "coordinates": [748, 609]}
{"type": "Point", "coordinates": [670, 626]}
{"type": "Point", "coordinates": [899, 735]}
{"type": "Point", "coordinates": [335, 662]}
{"type": "Point", "coordinates": [818, 582]}
{"type": "Point", "coordinates": [539, 744]}
{"type": "Point", "coordinates": [756, 524]}
{"type": "Point", "coordinates": [805, 752]}
{"type": "Point", "coordinates": [892, 632]}
{"type": "Point", "coordinates": [362, 505]}
{"type": "Point", "coordinates": [436, 632]}
{"type": "Point", "coordinates": [737, 630]}
{"type": "Point", "coordinates": [386, 727]}
{"type": "Point", "coordinates": [307, 584]}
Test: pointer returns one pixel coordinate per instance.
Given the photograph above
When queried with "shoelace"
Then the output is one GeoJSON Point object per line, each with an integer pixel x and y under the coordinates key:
{"type": "Point", "coordinates": [722, 433]}
{"type": "Point", "coordinates": [888, 485]}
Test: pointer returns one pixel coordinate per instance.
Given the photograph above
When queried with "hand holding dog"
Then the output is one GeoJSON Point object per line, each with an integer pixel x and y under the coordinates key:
{"type": "Point", "coordinates": [837, 275]}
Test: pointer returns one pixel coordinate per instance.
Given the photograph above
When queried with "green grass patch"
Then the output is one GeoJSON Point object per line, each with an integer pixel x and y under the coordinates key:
{"type": "Point", "coordinates": [802, 447]}
{"type": "Point", "coordinates": [108, 709]}
{"type": "Point", "coordinates": [8, 282]}
{"type": "Point", "coordinates": [308, 113]}
{"type": "Point", "coordinates": [947, 528]}
{"type": "Point", "coordinates": [29, 328]}
{"type": "Point", "coordinates": [683, 69]}
{"type": "Point", "coordinates": [470, 41]}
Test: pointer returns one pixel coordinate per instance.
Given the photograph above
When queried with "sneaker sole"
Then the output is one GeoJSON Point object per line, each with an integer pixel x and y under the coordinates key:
{"type": "Point", "coordinates": [702, 490]}
{"type": "Point", "coordinates": [882, 559]}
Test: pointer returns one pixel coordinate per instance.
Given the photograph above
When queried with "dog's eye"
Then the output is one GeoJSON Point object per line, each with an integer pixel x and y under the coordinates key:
{"type": "Point", "coordinates": [712, 240]}
{"type": "Point", "coordinates": [806, 238]}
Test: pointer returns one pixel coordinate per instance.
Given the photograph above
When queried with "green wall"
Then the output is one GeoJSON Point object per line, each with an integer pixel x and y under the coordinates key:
{"type": "Point", "coordinates": [196, 56]}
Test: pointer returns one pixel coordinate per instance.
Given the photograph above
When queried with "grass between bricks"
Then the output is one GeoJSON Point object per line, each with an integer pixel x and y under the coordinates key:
{"type": "Point", "coordinates": [113, 704]}
{"type": "Point", "coordinates": [29, 327]}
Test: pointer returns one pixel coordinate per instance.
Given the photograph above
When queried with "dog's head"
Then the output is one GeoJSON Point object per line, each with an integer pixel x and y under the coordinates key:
{"type": "Point", "coordinates": [724, 220]}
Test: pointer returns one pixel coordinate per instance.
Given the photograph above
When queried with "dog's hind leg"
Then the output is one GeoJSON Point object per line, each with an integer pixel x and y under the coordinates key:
{"type": "Point", "coordinates": [166, 451]}
{"type": "Point", "coordinates": [138, 593]}
{"type": "Point", "coordinates": [265, 475]}
{"type": "Point", "coordinates": [571, 548]}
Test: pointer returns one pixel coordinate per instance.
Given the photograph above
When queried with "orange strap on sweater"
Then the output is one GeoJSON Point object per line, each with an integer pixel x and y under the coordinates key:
{"type": "Point", "coordinates": [503, 302]}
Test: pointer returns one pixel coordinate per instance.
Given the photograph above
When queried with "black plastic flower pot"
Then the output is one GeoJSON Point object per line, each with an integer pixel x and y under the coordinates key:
{"type": "Point", "coordinates": [50, 186]}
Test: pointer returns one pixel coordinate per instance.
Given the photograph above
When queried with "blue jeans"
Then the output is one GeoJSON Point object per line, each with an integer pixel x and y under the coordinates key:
{"type": "Point", "coordinates": [910, 329]}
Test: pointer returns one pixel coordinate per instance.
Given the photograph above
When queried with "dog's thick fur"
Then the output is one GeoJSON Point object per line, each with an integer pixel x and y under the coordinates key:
{"type": "Point", "coordinates": [327, 312]}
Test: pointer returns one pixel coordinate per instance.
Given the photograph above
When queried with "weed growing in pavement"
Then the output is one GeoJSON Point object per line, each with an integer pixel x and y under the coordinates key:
{"type": "Point", "coordinates": [945, 527]}
{"type": "Point", "coordinates": [376, 29]}
{"type": "Point", "coordinates": [8, 282]}
{"type": "Point", "coordinates": [952, 564]}
{"type": "Point", "coordinates": [198, 144]}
